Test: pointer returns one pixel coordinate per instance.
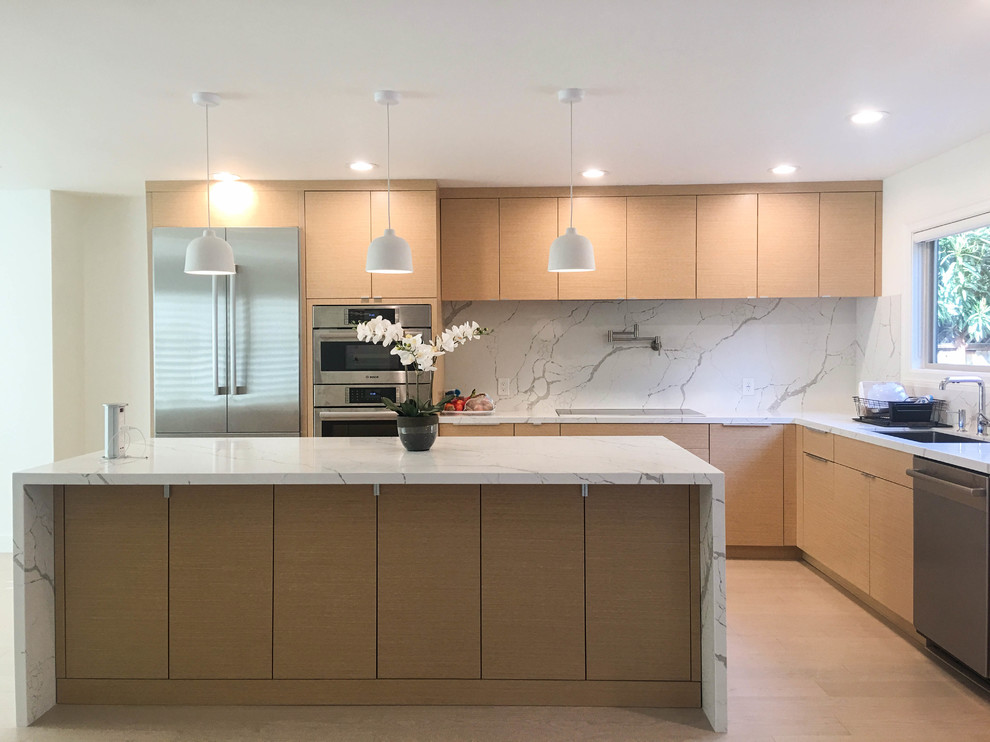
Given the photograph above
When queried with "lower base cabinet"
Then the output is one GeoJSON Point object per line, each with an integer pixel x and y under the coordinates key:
{"type": "Point", "coordinates": [324, 622]}
{"type": "Point", "coordinates": [752, 458]}
{"type": "Point", "coordinates": [892, 547]}
{"type": "Point", "coordinates": [532, 582]}
{"type": "Point", "coordinates": [220, 581]}
{"type": "Point", "coordinates": [639, 583]}
{"type": "Point", "coordinates": [429, 588]}
{"type": "Point", "coordinates": [423, 594]}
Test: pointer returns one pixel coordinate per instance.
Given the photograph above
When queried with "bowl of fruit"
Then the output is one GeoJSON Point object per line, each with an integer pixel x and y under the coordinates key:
{"type": "Point", "coordinates": [476, 403]}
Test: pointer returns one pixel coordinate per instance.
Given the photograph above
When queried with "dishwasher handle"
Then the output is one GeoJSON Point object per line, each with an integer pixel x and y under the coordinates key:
{"type": "Point", "coordinates": [946, 488]}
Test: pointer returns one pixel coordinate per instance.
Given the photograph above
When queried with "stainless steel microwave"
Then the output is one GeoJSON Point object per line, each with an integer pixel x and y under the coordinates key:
{"type": "Point", "coordinates": [340, 358]}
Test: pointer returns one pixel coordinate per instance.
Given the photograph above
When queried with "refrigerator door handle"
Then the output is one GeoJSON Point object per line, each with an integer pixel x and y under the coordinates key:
{"type": "Point", "coordinates": [217, 389]}
{"type": "Point", "coordinates": [232, 289]}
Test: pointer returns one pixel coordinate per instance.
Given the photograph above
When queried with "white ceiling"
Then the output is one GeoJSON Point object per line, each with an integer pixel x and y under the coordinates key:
{"type": "Point", "coordinates": [95, 94]}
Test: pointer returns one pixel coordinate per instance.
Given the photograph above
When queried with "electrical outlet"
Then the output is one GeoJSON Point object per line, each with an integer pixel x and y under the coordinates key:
{"type": "Point", "coordinates": [748, 387]}
{"type": "Point", "coordinates": [504, 387]}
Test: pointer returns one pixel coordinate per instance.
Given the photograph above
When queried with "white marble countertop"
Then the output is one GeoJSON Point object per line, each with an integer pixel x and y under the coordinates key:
{"type": "Point", "coordinates": [473, 460]}
{"type": "Point", "coordinates": [974, 456]}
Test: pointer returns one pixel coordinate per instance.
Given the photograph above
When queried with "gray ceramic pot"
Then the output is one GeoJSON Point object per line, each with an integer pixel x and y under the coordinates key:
{"type": "Point", "coordinates": [418, 433]}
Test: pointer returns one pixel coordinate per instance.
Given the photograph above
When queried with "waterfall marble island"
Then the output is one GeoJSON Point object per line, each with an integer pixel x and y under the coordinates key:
{"type": "Point", "coordinates": [489, 570]}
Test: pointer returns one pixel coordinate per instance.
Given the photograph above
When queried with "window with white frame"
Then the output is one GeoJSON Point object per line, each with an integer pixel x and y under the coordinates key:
{"type": "Point", "coordinates": [957, 295]}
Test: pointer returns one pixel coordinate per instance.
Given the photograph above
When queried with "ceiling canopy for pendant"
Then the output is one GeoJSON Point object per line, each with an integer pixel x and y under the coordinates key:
{"type": "Point", "coordinates": [209, 255]}
{"type": "Point", "coordinates": [571, 252]}
{"type": "Point", "coordinates": [388, 253]}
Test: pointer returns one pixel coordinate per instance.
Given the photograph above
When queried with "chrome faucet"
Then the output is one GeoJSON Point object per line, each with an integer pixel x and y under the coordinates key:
{"type": "Point", "coordinates": [981, 417]}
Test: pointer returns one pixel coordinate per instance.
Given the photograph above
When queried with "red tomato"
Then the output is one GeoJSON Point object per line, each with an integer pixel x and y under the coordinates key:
{"type": "Point", "coordinates": [459, 405]}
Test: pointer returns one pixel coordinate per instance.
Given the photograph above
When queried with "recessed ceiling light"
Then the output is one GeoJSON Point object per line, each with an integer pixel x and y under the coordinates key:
{"type": "Point", "coordinates": [868, 116]}
{"type": "Point", "coordinates": [225, 176]}
{"type": "Point", "coordinates": [361, 165]}
{"type": "Point", "coordinates": [784, 169]}
{"type": "Point", "coordinates": [593, 172]}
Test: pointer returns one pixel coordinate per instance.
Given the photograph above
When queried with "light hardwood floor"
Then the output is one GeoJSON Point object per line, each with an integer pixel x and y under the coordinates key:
{"type": "Point", "coordinates": [805, 663]}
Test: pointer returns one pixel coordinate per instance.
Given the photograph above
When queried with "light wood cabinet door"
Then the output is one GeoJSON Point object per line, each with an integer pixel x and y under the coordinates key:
{"type": "Point", "coordinates": [848, 244]}
{"type": "Point", "coordinates": [848, 521]}
{"type": "Point", "coordinates": [892, 547]}
{"type": "Point", "coordinates": [637, 561]}
{"type": "Point", "coordinates": [661, 247]}
{"type": "Point", "coordinates": [220, 581]}
{"type": "Point", "coordinates": [787, 244]}
{"type": "Point", "coordinates": [727, 246]}
{"type": "Point", "coordinates": [262, 208]}
{"type": "Point", "coordinates": [752, 459]}
{"type": "Point", "coordinates": [818, 488]}
{"type": "Point", "coordinates": [469, 249]}
{"type": "Point", "coordinates": [116, 582]}
{"type": "Point", "coordinates": [414, 219]}
{"type": "Point", "coordinates": [476, 429]}
{"type": "Point", "coordinates": [603, 221]}
{"type": "Point", "coordinates": [429, 586]}
{"type": "Point", "coordinates": [338, 232]}
{"type": "Point", "coordinates": [532, 582]}
{"type": "Point", "coordinates": [536, 429]}
{"type": "Point", "coordinates": [324, 583]}
{"type": "Point", "coordinates": [527, 226]}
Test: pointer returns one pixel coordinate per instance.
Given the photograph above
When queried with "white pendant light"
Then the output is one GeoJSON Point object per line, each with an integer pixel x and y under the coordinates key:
{"type": "Point", "coordinates": [209, 255]}
{"type": "Point", "coordinates": [388, 253]}
{"type": "Point", "coordinates": [571, 252]}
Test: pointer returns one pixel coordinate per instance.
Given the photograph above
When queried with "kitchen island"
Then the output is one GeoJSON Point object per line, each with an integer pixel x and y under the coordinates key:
{"type": "Point", "coordinates": [558, 571]}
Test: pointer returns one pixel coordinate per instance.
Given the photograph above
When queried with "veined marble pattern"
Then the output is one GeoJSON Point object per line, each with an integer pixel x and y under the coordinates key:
{"type": "Point", "coordinates": [878, 324]}
{"type": "Point", "coordinates": [801, 353]}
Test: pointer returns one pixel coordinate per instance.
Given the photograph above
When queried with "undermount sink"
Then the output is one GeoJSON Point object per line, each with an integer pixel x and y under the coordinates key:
{"type": "Point", "coordinates": [641, 411]}
{"type": "Point", "coordinates": [928, 436]}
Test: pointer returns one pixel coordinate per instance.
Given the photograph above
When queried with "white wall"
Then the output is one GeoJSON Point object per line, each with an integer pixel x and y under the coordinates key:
{"type": "Point", "coordinates": [952, 186]}
{"type": "Point", "coordinates": [26, 380]}
{"type": "Point", "coordinates": [116, 310]}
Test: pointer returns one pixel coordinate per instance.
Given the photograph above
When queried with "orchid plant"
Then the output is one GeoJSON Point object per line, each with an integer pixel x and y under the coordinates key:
{"type": "Point", "coordinates": [412, 350]}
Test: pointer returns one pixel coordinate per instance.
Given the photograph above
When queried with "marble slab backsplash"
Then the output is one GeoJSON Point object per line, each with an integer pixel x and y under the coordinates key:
{"type": "Point", "coordinates": [802, 354]}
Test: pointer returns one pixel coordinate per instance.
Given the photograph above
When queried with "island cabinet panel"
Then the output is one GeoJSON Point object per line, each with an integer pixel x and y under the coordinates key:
{"type": "Point", "coordinates": [787, 260]}
{"type": "Point", "coordinates": [532, 582]}
{"type": "Point", "coordinates": [661, 247]}
{"type": "Point", "coordinates": [727, 246]}
{"type": "Point", "coordinates": [414, 219]}
{"type": "Point", "coordinates": [638, 563]}
{"type": "Point", "coordinates": [469, 249]}
{"type": "Point", "coordinates": [602, 220]}
{"type": "Point", "coordinates": [892, 547]}
{"type": "Point", "coordinates": [847, 258]}
{"type": "Point", "coordinates": [752, 459]}
{"type": "Point", "coordinates": [116, 582]}
{"type": "Point", "coordinates": [324, 582]}
{"type": "Point", "coordinates": [429, 586]}
{"type": "Point", "coordinates": [220, 581]}
{"type": "Point", "coordinates": [338, 231]}
{"type": "Point", "coordinates": [526, 227]}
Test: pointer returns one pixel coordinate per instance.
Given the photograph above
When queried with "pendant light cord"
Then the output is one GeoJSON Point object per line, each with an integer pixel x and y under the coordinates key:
{"type": "Point", "coordinates": [388, 162]}
{"type": "Point", "coordinates": [570, 106]}
{"type": "Point", "coordinates": [209, 225]}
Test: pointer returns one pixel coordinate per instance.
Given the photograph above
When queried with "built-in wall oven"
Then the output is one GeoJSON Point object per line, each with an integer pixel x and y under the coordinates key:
{"type": "Point", "coordinates": [351, 377]}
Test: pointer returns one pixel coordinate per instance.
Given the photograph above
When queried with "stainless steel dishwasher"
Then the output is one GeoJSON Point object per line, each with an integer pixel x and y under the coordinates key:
{"type": "Point", "coordinates": [951, 560]}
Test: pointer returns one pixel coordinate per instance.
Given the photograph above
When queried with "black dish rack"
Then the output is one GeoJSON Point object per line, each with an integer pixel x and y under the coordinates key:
{"type": "Point", "coordinates": [901, 414]}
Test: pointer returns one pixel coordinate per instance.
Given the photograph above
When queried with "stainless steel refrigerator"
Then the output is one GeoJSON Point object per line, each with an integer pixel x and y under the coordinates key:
{"type": "Point", "coordinates": [226, 348]}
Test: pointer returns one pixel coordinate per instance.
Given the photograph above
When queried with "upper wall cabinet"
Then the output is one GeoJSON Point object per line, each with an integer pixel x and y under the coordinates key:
{"type": "Point", "coordinates": [847, 261]}
{"type": "Point", "coordinates": [661, 247]}
{"type": "Point", "coordinates": [787, 244]}
{"type": "Point", "coordinates": [727, 246]}
{"type": "Point", "coordinates": [469, 238]}
{"type": "Point", "coordinates": [602, 219]}
{"type": "Point", "coordinates": [527, 226]}
{"type": "Point", "coordinates": [187, 208]}
{"type": "Point", "coordinates": [341, 224]}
